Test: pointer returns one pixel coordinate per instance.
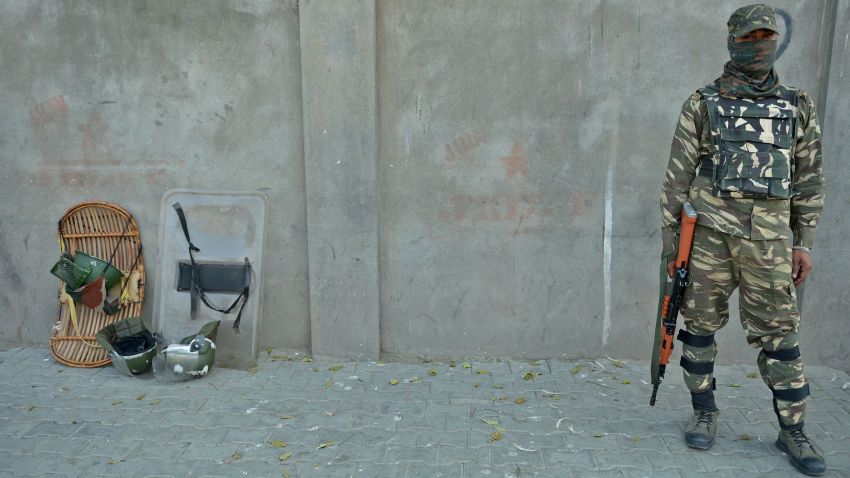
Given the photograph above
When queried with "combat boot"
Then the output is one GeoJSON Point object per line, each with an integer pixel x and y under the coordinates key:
{"type": "Point", "coordinates": [701, 430]}
{"type": "Point", "coordinates": [802, 452]}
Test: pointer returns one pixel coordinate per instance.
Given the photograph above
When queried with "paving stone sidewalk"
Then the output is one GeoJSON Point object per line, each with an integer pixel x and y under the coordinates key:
{"type": "Point", "coordinates": [548, 418]}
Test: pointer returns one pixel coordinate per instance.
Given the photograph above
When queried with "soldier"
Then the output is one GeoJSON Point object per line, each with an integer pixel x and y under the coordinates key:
{"type": "Point", "coordinates": [747, 154]}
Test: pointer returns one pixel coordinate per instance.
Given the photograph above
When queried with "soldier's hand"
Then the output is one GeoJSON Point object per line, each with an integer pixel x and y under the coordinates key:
{"type": "Point", "coordinates": [671, 267]}
{"type": "Point", "coordinates": [801, 265]}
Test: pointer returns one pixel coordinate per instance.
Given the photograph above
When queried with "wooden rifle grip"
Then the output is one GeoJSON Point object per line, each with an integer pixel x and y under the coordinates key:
{"type": "Point", "coordinates": [686, 236]}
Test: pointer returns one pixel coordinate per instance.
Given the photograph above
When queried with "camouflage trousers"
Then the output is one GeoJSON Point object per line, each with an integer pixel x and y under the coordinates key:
{"type": "Point", "coordinates": [761, 270]}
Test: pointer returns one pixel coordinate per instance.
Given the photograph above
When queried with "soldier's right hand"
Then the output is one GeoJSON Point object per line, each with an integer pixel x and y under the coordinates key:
{"type": "Point", "coordinates": [671, 267]}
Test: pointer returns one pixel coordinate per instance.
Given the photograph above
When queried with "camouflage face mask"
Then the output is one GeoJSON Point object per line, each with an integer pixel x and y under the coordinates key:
{"type": "Point", "coordinates": [750, 72]}
{"type": "Point", "coordinates": [753, 58]}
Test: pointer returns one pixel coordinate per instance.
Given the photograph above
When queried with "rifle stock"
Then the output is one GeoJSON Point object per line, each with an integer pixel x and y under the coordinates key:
{"type": "Point", "coordinates": [672, 299]}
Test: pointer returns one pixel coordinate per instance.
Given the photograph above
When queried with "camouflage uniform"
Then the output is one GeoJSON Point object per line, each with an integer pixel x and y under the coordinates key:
{"type": "Point", "coordinates": [742, 240]}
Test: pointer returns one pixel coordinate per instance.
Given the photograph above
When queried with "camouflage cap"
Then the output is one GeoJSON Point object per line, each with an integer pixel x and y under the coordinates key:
{"type": "Point", "coordinates": [752, 17]}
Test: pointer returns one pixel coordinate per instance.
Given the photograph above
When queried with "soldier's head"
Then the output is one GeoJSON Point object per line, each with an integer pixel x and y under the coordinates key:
{"type": "Point", "coordinates": [753, 38]}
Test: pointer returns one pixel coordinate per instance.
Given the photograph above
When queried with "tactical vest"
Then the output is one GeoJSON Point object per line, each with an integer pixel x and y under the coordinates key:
{"type": "Point", "coordinates": [753, 144]}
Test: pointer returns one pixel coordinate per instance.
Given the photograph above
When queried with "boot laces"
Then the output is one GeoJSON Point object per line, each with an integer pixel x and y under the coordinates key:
{"type": "Point", "coordinates": [800, 439]}
{"type": "Point", "coordinates": [704, 418]}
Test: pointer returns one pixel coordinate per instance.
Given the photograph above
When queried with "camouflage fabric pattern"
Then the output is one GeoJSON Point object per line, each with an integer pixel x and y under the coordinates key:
{"type": "Point", "coordinates": [749, 218]}
{"type": "Point", "coordinates": [761, 270]}
{"type": "Point", "coordinates": [752, 17]}
{"type": "Point", "coordinates": [752, 144]}
{"type": "Point", "coordinates": [750, 72]}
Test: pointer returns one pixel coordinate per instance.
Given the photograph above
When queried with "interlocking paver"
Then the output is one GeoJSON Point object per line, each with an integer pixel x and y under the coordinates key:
{"type": "Point", "coordinates": [421, 470]}
{"type": "Point", "coordinates": [399, 454]}
{"type": "Point", "coordinates": [579, 418]}
{"type": "Point", "coordinates": [452, 454]}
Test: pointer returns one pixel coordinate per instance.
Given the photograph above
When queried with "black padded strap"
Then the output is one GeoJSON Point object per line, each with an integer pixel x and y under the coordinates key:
{"type": "Point", "coordinates": [791, 394]}
{"type": "Point", "coordinates": [700, 341]}
{"type": "Point", "coordinates": [784, 355]}
{"type": "Point", "coordinates": [697, 368]}
{"type": "Point", "coordinates": [177, 207]}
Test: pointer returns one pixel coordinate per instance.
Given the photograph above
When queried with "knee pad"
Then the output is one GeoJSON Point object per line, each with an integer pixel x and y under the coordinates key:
{"type": "Point", "coordinates": [696, 341]}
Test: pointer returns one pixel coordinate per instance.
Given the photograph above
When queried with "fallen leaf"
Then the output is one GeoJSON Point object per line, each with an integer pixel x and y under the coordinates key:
{"type": "Point", "coordinates": [285, 456]}
{"type": "Point", "coordinates": [268, 350]}
{"type": "Point", "coordinates": [482, 372]}
{"type": "Point", "coordinates": [519, 400]}
{"type": "Point", "coordinates": [637, 439]}
{"type": "Point", "coordinates": [116, 402]}
{"type": "Point", "coordinates": [317, 369]}
{"type": "Point", "coordinates": [31, 408]}
{"type": "Point", "coordinates": [752, 375]}
{"type": "Point", "coordinates": [744, 437]}
{"type": "Point", "coordinates": [306, 360]}
{"type": "Point", "coordinates": [554, 396]}
{"type": "Point", "coordinates": [626, 381]}
{"type": "Point", "coordinates": [155, 402]}
{"type": "Point", "coordinates": [393, 381]}
{"type": "Point", "coordinates": [491, 421]}
{"type": "Point", "coordinates": [432, 372]}
{"type": "Point", "coordinates": [286, 417]}
{"type": "Point", "coordinates": [495, 436]}
{"type": "Point", "coordinates": [278, 443]}
{"type": "Point", "coordinates": [452, 364]}
{"type": "Point", "coordinates": [329, 383]}
{"type": "Point", "coordinates": [326, 445]}
{"type": "Point", "coordinates": [535, 363]}
{"type": "Point", "coordinates": [575, 370]}
{"type": "Point", "coordinates": [529, 375]}
{"type": "Point", "coordinates": [286, 473]}
{"type": "Point", "coordinates": [476, 384]}
{"type": "Point", "coordinates": [253, 369]}
{"type": "Point", "coordinates": [380, 363]}
{"type": "Point", "coordinates": [467, 365]}
{"type": "Point", "coordinates": [415, 380]}
{"type": "Point", "coordinates": [279, 357]}
{"type": "Point", "coordinates": [236, 455]}
{"type": "Point", "coordinates": [495, 399]}
{"type": "Point", "coordinates": [140, 397]}
{"type": "Point", "coordinates": [734, 385]}
{"type": "Point", "coordinates": [598, 435]}
{"type": "Point", "coordinates": [498, 387]}
{"type": "Point", "coordinates": [335, 368]}
{"type": "Point", "coordinates": [115, 461]}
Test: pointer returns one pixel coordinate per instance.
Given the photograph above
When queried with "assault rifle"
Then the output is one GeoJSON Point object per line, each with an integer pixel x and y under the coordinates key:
{"type": "Point", "coordinates": [671, 301]}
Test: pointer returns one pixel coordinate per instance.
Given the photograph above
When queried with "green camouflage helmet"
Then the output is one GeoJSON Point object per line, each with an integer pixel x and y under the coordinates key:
{"type": "Point", "coordinates": [752, 17]}
{"type": "Point", "coordinates": [130, 344]}
{"type": "Point", "coordinates": [193, 357]}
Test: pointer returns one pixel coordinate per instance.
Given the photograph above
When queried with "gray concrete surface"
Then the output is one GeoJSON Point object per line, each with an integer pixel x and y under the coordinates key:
{"type": "Point", "coordinates": [487, 184]}
{"type": "Point", "coordinates": [340, 419]}
{"type": "Point", "coordinates": [826, 309]}
{"type": "Point", "coordinates": [340, 154]}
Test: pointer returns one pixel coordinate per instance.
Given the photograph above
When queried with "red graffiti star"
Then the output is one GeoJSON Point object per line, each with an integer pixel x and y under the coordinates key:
{"type": "Point", "coordinates": [516, 163]}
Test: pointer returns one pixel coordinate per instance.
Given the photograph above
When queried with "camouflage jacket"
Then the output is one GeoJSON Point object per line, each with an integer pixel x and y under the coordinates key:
{"type": "Point", "coordinates": [748, 218]}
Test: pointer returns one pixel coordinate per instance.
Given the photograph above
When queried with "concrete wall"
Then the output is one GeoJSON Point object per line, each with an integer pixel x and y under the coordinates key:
{"type": "Point", "coordinates": [121, 101]}
{"type": "Point", "coordinates": [463, 178]}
